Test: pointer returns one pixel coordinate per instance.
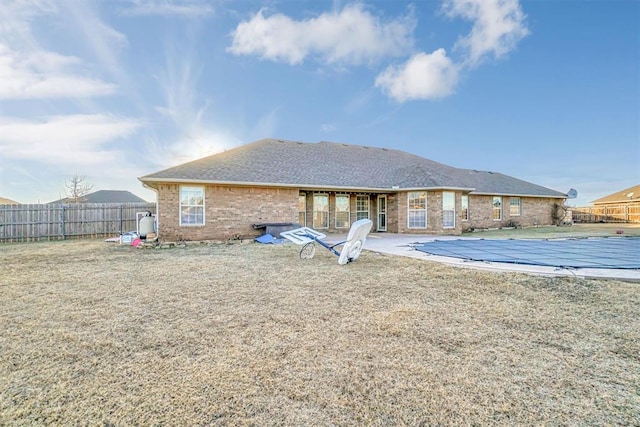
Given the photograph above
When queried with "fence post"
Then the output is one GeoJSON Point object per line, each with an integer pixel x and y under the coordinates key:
{"type": "Point", "coordinates": [23, 222]}
{"type": "Point", "coordinates": [63, 224]}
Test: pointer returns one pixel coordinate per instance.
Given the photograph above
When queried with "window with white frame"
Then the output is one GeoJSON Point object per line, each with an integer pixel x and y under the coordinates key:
{"type": "Point", "coordinates": [362, 207]}
{"type": "Point", "coordinates": [448, 209]}
{"type": "Point", "coordinates": [497, 208]}
{"type": "Point", "coordinates": [342, 211]}
{"type": "Point", "coordinates": [302, 209]}
{"type": "Point", "coordinates": [417, 213]}
{"type": "Point", "coordinates": [514, 206]}
{"type": "Point", "coordinates": [191, 205]}
{"type": "Point", "coordinates": [320, 210]}
{"type": "Point", "coordinates": [465, 208]}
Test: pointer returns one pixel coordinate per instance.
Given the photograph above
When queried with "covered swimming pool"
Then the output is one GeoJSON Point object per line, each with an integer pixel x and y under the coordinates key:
{"type": "Point", "coordinates": [593, 252]}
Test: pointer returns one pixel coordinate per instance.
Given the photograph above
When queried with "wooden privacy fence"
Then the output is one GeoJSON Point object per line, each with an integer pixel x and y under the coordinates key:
{"type": "Point", "coordinates": [22, 223]}
{"type": "Point", "coordinates": [623, 212]}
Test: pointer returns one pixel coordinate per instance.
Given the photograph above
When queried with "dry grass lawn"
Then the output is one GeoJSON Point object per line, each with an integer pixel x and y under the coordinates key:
{"type": "Point", "coordinates": [93, 333]}
{"type": "Point", "coordinates": [575, 230]}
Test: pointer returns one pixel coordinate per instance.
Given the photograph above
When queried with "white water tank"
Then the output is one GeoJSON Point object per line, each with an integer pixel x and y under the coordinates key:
{"type": "Point", "coordinates": [146, 225]}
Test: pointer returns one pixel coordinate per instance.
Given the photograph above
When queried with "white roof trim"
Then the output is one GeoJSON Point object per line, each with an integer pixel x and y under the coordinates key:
{"type": "Point", "coordinates": [473, 193]}
{"type": "Point", "coordinates": [146, 181]}
{"type": "Point", "coordinates": [338, 187]}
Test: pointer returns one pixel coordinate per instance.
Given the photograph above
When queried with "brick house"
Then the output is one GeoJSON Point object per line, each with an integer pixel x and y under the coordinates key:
{"type": "Point", "coordinates": [328, 186]}
{"type": "Point", "coordinates": [627, 196]}
{"type": "Point", "coordinates": [621, 206]}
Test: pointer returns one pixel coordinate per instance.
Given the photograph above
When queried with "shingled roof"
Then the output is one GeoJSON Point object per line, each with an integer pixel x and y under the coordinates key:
{"type": "Point", "coordinates": [106, 196]}
{"type": "Point", "coordinates": [5, 201]}
{"type": "Point", "coordinates": [631, 194]}
{"type": "Point", "coordinates": [331, 165]}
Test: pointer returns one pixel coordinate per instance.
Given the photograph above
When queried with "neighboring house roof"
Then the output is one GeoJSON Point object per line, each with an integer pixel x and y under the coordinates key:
{"type": "Point", "coordinates": [107, 196]}
{"type": "Point", "coordinates": [4, 201]}
{"type": "Point", "coordinates": [631, 194]}
{"type": "Point", "coordinates": [337, 166]}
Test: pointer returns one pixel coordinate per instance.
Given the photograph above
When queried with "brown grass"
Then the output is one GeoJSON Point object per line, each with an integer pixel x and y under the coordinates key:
{"type": "Point", "coordinates": [575, 230]}
{"type": "Point", "coordinates": [93, 333]}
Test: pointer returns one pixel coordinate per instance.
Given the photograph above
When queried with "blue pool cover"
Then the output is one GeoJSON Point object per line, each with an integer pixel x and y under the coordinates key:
{"type": "Point", "coordinates": [608, 252]}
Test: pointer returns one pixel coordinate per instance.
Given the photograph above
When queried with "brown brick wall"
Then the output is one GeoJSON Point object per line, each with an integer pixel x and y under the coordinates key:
{"type": "Point", "coordinates": [434, 215]}
{"type": "Point", "coordinates": [392, 213]}
{"type": "Point", "coordinates": [534, 211]}
{"type": "Point", "coordinates": [229, 211]}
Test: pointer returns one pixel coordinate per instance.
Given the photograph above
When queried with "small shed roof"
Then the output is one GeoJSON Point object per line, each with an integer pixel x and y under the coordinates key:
{"type": "Point", "coordinates": [107, 196]}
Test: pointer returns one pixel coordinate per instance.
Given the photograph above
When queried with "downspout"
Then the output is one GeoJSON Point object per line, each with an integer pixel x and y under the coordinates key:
{"type": "Point", "coordinates": [157, 208]}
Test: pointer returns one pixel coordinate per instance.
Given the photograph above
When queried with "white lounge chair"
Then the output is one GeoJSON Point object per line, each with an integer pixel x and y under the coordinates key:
{"type": "Point", "coordinates": [351, 247]}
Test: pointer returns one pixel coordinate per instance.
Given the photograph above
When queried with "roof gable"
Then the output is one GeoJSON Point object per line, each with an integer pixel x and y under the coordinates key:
{"type": "Point", "coordinates": [631, 194]}
{"type": "Point", "coordinates": [107, 196]}
{"type": "Point", "coordinates": [4, 201]}
{"type": "Point", "coordinates": [336, 165]}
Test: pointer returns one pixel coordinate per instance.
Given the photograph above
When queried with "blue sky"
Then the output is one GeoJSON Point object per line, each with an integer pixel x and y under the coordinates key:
{"type": "Point", "coordinates": [544, 90]}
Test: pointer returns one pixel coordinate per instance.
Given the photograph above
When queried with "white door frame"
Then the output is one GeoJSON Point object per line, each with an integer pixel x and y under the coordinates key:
{"type": "Point", "coordinates": [382, 213]}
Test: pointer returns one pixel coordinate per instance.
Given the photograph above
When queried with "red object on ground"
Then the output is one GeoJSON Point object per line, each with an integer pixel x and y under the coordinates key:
{"type": "Point", "coordinates": [619, 231]}
{"type": "Point", "coordinates": [136, 242]}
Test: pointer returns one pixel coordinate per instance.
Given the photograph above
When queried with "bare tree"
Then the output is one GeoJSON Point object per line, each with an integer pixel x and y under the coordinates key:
{"type": "Point", "coordinates": [77, 189]}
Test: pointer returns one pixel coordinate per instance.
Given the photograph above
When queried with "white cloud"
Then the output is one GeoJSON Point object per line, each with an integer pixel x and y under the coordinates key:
{"type": "Point", "coordinates": [168, 7]}
{"type": "Point", "coordinates": [42, 75]}
{"type": "Point", "coordinates": [328, 127]}
{"type": "Point", "coordinates": [201, 143]}
{"type": "Point", "coordinates": [352, 35]}
{"type": "Point", "coordinates": [80, 139]}
{"type": "Point", "coordinates": [423, 76]}
{"type": "Point", "coordinates": [102, 42]}
{"type": "Point", "coordinates": [498, 26]}
{"type": "Point", "coordinates": [267, 124]}
{"type": "Point", "coordinates": [31, 72]}
{"type": "Point", "coordinates": [192, 136]}
{"type": "Point", "coordinates": [16, 15]}
{"type": "Point", "coordinates": [178, 83]}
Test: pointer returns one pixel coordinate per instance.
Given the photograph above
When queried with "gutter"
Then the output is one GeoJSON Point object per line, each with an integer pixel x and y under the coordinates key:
{"type": "Point", "coordinates": [615, 202]}
{"type": "Point", "coordinates": [563, 196]}
{"type": "Point", "coordinates": [393, 189]}
{"type": "Point", "coordinates": [155, 190]}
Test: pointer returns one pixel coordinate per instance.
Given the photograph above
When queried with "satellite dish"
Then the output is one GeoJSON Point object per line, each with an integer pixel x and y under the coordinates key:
{"type": "Point", "coordinates": [572, 194]}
